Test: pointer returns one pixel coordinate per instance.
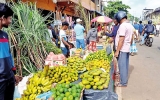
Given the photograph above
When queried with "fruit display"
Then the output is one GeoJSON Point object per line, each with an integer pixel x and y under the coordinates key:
{"type": "Point", "coordinates": [76, 62]}
{"type": "Point", "coordinates": [67, 92]}
{"type": "Point", "coordinates": [98, 64]}
{"type": "Point", "coordinates": [99, 55]}
{"type": "Point", "coordinates": [62, 74]}
{"type": "Point", "coordinates": [36, 86]}
{"type": "Point", "coordinates": [96, 79]}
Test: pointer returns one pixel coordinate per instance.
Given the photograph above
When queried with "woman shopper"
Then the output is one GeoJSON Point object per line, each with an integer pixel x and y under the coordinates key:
{"type": "Point", "coordinates": [92, 37]}
{"type": "Point", "coordinates": [133, 48]}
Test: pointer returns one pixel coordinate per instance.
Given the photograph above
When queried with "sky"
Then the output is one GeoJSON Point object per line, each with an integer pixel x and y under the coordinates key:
{"type": "Point", "coordinates": [137, 6]}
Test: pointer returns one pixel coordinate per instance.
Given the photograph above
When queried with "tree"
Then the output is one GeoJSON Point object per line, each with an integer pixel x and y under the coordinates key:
{"type": "Point", "coordinates": [136, 19]}
{"type": "Point", "coordinates": [115, 6]}
{"type": "Point", "coordinates": [130, 17]}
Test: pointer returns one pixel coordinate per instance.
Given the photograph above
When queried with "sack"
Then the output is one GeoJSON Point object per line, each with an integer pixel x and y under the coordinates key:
{"type": "Point", "coordinates": [108, 49]}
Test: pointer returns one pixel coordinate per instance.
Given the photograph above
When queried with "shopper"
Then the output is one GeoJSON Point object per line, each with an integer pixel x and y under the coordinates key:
{"type": "Point", "coordinates": [133, 48]}
{"type": "Point", "coordinates": [113, 33]}
{"type": "Point", "coordinates": [92, 37]}
{"type": "Point", "coordinates": [136, 26]}
{"type": "Point", "coordinates": [99, 28]}
{"type": "Point", "coordinates": [50, 37]}
{"type": "Point", "coordinates": [79, 30]}
{"type": "Point", "coordinates": [55, 35]}
{"type": "Point", "coordinates": [63, 39]}
{"type": "Point", "coordinates": [140, 30]}
{"type": "Point", "coordinates": [157, 29]}
{"type": "Point", "coordinates": [123, 41]}
{"type": "Point", "coordinates": [7, 79]}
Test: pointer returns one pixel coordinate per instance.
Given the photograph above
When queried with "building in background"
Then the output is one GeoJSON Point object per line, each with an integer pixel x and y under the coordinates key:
{"type": "Point", "coordinates": [153, 14]}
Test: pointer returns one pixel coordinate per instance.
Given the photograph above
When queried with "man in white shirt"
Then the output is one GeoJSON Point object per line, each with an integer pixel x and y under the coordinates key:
{"type": "Point", "coordinates": [63, 39]}
{"type": "Point", "coordinates": [157, 28]}
{"type": "Point", "coordinates": [50, 37]}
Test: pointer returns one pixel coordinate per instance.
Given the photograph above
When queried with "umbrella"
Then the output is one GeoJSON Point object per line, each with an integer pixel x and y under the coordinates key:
{"type": "Point", "coordinates": [102, 19]}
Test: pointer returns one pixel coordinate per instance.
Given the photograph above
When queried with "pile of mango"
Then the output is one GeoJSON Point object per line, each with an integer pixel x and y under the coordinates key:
{"type": "Point", "coordinates": [76, 63]}
{"type": "Point", "coordinates": [99, 55]}
{"type": "Point", "coordinates": [98, 64]}
{"type": "Point", "coordinates": [62, 74]}
{"type": "Point", "coordinates": [96, 79]}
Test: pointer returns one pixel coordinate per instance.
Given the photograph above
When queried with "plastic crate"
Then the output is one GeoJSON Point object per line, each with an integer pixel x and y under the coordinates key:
{"type": "Point", "coordinates": [99, 47]}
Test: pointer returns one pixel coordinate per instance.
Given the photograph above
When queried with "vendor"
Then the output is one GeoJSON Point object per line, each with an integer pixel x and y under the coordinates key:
{"type": "Point", "coordinates": [7, 69]}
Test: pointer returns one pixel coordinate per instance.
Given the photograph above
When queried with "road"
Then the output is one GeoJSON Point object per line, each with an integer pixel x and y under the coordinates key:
{"type": "Point", "coordinates": [144, 74]}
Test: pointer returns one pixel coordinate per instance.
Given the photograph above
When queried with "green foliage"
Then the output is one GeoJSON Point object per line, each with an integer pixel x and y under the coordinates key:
{"type": "Point", "coordinates": [50, 47]}
{"type": "Point", "coordinates": [115, 6]}
{"type": "Point", "coordinates": [27, 32]}
{"type": "Point", "coordinates": [136, 19]}
{"type": "Point", "coordinates": [82, 12]}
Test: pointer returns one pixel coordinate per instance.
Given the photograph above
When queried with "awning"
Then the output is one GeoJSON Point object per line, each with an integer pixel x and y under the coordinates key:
{"type": "Point", "coordinates": [100, 14]}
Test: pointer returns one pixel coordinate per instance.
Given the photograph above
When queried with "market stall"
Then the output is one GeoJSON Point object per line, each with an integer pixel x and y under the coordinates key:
{"type": "Point", "coordinates": [75, 79]}
{"type": "Point", "coordinates": [83, 76]}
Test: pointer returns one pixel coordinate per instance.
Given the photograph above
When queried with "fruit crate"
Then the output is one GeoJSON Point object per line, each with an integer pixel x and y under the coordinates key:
{"type": "Point", "coordinates": [99, 47]}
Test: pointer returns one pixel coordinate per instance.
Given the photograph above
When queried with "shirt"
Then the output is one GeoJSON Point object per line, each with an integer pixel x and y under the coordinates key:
{"type": "Point", "coordinates": [141, 28]}
{"type": "Point", "coordinates": [126, 30]}
{"type": "Point", "coordinates": [92, 34]}
{"type": "Point", "coordinates": [149, 28]}
{"type": "Point", "coordinates": [54, 35]}
{"type": "Point", "coordinates": [6, 60]}
{"type": "Point", "coordinates": [114, 32]}
{"type": "Point", "coordinates": [49, 38]}
{"type": "Point", "coordinates": [79, 30]}
{"type": "Point", "coordinates": [136, 26]}
{"type": "Point", "coordinates": [62, 34]}
{"type": "Point", "coordinates": [157, 27]}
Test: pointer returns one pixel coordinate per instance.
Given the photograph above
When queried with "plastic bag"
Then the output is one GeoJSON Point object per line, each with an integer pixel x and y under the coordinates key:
{"type": "Point", "coordinates": [44, 96]}
{"type": "Point", "coordinates": [16, 93]}
{"type": "Point", "coordinates": [108, 49]}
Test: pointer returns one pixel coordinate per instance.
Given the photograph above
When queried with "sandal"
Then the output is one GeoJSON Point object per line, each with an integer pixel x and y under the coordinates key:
{"type": "Point", "coordinates": [117, 74]}
{"type": "Point", "coordinates": [132, 54]}
{"type": "Point", "coordinates": [120, 85]}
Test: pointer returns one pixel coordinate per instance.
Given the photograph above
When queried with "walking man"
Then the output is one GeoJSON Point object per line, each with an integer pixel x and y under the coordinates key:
{"type": "Point", "coordinates": [136, 27]}
{"type": "Point", "coordinates": [123, 43]}
{"type": "Point", "coordinates": [79, 30]}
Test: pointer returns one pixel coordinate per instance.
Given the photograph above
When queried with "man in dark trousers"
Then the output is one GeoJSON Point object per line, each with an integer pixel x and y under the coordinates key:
{"type": "Point", "coordinates": [7, 79]}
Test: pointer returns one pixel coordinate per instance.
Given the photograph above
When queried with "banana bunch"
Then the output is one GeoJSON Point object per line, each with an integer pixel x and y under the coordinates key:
{"type": "Point", "coordinates": [36, 86]}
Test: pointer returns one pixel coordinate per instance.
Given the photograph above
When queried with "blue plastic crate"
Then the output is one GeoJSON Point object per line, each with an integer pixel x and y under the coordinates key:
{"type": "Point", "coordinates": [99, 47]}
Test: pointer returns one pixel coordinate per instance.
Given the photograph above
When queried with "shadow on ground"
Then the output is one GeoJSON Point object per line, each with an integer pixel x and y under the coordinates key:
{"type": "Point", "coordinates": [131, 68]}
